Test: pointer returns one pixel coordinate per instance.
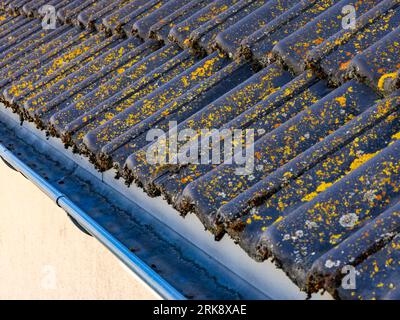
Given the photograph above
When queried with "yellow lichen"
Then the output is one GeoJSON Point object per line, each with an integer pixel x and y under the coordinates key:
{"type": "Point", "coordinates": [396, 136]}
{"type": "Point", "coordinates": [321, 188]}
{"type": "Point", "coordinates": [342, 101]}
{"type": "Point", "coordinates": [382, 80]}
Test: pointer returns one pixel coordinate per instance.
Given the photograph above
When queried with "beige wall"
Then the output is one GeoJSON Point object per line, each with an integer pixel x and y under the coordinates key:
{"type": "Point", "coordinates": [43, 256]}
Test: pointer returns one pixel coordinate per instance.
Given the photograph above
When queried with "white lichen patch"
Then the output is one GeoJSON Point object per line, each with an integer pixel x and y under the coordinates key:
{"type": "Point", "coordinates": [348, 220]}
{"type": "Point", "coordinates": [286, 237]}
{"type": "Point", "coordinates": [299, 233]}
{"type": "Point", "coordinates": [370, 196]}
{"type": "Point", "coordinates": [331, 264]}
{"type": "Point", "coordinates": [311, 224]}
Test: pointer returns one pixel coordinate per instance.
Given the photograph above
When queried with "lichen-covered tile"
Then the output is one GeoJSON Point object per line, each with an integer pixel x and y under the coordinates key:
{"type": "Point", "coordinates": [14, 34]}
{"type": "Point", "coordinates": [139, 100]}
{"type": "Point", "coordinates": [172, 183]}
{"type": "Point", "coordinates": [230, 40]}
{"type": "Point", "coordinates": [145, 86]}
{"type": "Point", "coordinates": [154, 67]}
{"type": "Point", "coordinates": [123, 20]}
{"type": "Point", "coordinates": [15, 6]}
{"type": "Point", "coordinates": [248, 216]}
{"type": "Point", "coordinates": [4, 18]}
{"type": "Point", "coordinates": [215, 115]}
{"type": "Point", "coordinates": [203, 38]}
{"type": "Point", "coordinates": [207, 194]}
{"type": "Point", "coordinates": [41, 39]}
{"type": "Point", "coordinates": [295, 96]}
{"type": "Point", "coordinates": [177, 112]}
{"type": "Point", "coordinates": [69, 13]}
{"type": "Point", "coordinates": [73, 46]}
{"type": "Point", "coordinates": [327, 271]}
{"type": "Point", "coordinates": [377, 278]}
{"type": "Point", "coordinates": [10, 24]}
{"type": "Point", "coordinates": [142, 27]}
{"type": "Point", "coordinates": [32, 7]}
{"type": "Point", "coordinates": [93, 16]}
{"type": "Point", "coordinates": [115, 59]}
{"type": "Point", "coordinates": [332, 58]}
{"type": "Point", "coordinates": [59, 68]}
{"type": "Point", "coordinates": [116, 122]}
{"type": "Point", "coordinates": [50, 51]}
{"type": "Point", "coordinates": [264, 117]}
{"type": "Point", "coordinates": [162, 28]}
{"type": "Point", "coordinates": [108, 76]}
{"type": "Point", "coordinates": [259, 45]}
{"type": "Point", "coordinates": [143, 12]}
{"type": "Point", "coordinates": [125, 12]}
{"type": "Point", "coordinates": [181, 32]}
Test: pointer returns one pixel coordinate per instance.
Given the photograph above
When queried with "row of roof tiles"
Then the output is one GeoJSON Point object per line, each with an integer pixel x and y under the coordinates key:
{"type": "Point", "coordinates": [323, 101]}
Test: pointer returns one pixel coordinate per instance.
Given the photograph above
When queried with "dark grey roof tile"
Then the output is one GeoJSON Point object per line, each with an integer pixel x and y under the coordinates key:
{"type": "Point", "coordinates": [162, 28]}
{"type": "Point", "coordinates": [301, 238]}
{"type": "Point", "coordinates": [230, 40]}
{"type": "Point", "coordinates": [48, 52]}
{"type": "Point", "coordinates": [378, 64]}
{"type": "Point", "coordinates": [69, 13]}
{"type": "Point", "coordinates": [312, 173]}
{"type": "Point", "coordinates": [99, 71]}
{"type": "Point", "coordinates": [142, 27]}
{"type": "Point", "coordinates": [214, 115]}
{"type": "Point", "coordinates": [139, 110]}
{"type": "Point", "coordinates": [377, 277]}
{"type": "Point", "coordinates": [59, 68]}
{"type": "Point", "coordinates": [259, 45]}
{"type": "Point", "coordinates": [204, 37]}
{"type": "Point", "coordinates": [207, 194]}
{"type": "Point", "coordinates": [327, 271]}
{"type": "Point", "coordinates": [127, 12]}
{"type": "Point", "coordinates": [92, 17]}
{"type": "Point", "coordinates": [178, 111]}
{"type": "Point", "coordinates": [123, 85]}
{"type": "Point", "coordinates": [294, 48]}
{"type": "Point", "coordinates": [181, 32]}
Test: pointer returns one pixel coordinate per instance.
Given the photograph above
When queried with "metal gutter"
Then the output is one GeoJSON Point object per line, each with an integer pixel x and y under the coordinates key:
{"type": "Point", "coordinates": [142, 270]}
